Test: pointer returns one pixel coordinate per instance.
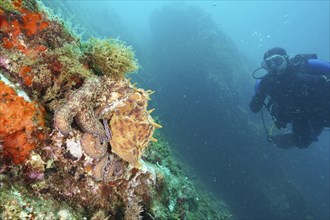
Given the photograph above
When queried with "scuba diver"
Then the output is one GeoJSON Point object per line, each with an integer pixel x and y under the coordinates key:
{"type": "Point", "coordinates": [295, 90]}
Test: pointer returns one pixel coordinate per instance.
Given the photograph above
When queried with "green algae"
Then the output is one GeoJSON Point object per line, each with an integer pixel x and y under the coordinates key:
{"type": "Point", "coordinates": [175, 195]}
{"type": "Point", "coordinates": [70, 57]}
{"type": "Point", "coordinates": [7, 5]}
{"type": "Point", "coordinates": [110, 57]}
{"type": "Point", "coordinates": [19, 203]}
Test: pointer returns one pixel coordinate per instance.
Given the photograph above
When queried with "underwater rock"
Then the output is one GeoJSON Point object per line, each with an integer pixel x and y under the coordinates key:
{"type": "Point", "coordinates": [80, 142]}
{"type": "Point", "coordinates": [4, 63]}
{"type": "Point", "coordinates": [75, 161]}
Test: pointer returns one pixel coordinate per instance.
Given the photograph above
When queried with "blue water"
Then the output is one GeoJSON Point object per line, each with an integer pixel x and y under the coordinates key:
{"type": "Point", "coordinates": [207, 123]}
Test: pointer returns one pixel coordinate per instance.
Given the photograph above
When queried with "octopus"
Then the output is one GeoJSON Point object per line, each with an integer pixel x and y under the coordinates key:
{"type": "Point", "coordinates": [114, 120]}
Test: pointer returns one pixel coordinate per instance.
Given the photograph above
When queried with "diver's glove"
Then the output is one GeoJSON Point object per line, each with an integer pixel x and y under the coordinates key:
{"type": "Point", "coordinates": [283, 141]}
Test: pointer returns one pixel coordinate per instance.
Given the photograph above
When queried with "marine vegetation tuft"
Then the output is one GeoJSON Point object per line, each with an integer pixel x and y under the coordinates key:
{"type": "Point", "coordinates": [110, 57]}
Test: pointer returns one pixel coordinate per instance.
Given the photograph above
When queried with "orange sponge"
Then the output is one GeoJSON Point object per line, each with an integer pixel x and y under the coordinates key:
{"type": "Point", "coordinates": [21, 124]}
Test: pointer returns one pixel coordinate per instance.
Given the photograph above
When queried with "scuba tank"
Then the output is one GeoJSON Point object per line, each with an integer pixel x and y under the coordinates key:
{"type": "Point", "coordinates": [301, 63]}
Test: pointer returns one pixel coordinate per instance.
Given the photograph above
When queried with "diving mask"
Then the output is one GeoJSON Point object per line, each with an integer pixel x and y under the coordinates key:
{"type": "Point", "coordinates": [276, 63]}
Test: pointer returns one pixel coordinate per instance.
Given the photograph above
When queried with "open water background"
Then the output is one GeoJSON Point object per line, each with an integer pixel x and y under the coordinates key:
{"type": "Point", "coordinates": [210, 128]}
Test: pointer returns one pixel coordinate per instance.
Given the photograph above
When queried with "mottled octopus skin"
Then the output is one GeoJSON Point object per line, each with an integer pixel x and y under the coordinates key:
{"type": "Point", "coordinates": [129, 138]}
{"type": "Point", "coordinates": [107, 168]}
{"type": "Point", "coordinates": [92, 146]}
{"type": "Point", "coordinates": [64, 115]}
{"type": "Point", "coordinates": [127, 124]}
{"type": "Point", "coordinates": [98, 170]}
{"type": "Point", "coordinates": [89, 123]}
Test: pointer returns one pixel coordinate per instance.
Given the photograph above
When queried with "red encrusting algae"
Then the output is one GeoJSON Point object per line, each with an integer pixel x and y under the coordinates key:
{"type": "Point", "coordinates": [18, 27]}
{"type": "Point", "coordinates": [24, 75]}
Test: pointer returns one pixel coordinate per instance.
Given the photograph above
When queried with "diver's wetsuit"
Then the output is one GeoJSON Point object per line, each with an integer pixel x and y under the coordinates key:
{"type": "Point", "coordinates": [300, 96]}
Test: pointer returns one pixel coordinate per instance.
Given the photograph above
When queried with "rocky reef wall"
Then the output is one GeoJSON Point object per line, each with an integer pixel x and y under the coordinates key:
{"type": "Point", "coordinates": [79, 143]}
